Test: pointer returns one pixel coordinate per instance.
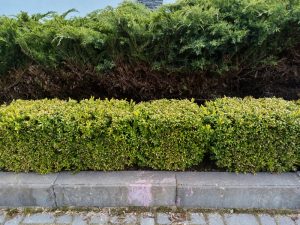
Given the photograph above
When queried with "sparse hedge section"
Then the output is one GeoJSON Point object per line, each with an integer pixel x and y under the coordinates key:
{"type": "Point", "coordinates": [241, 135]}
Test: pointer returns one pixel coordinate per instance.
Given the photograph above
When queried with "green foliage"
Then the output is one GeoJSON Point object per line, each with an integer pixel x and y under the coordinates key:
{"type": "Point", "coordinates": [52, 135]}
{"type": "Point", "coordinates": [190, 35]}
{"type": "Point", "coordinates": [251, 135]}
{"type": "Point", "coordinates": [242, 135]}
{"type": "Point", "coordinates": [171, 134]}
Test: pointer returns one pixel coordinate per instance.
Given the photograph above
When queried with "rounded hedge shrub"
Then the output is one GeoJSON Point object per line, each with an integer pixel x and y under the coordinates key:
{"type": "Point", "coordinates": [242, 135]}
{"type": "Point", "coordinates": [251, 135]}
{"type": "Point", "coordinates": [53, 135]}
{"type": "Point", "coordinates": [171, 134]}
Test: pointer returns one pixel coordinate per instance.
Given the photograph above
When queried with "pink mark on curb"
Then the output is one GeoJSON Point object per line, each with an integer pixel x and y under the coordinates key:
{"type": "Point", "coordinates": [190, 192]}
{"type": "Point", "coordinates": [140, 192]}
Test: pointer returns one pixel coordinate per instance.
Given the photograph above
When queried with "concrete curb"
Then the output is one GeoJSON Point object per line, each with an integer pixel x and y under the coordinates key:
{"type": "Point", "coordinates": [148, 188]}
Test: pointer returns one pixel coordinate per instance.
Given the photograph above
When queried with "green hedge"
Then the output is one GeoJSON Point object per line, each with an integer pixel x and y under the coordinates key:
{"type": "Point", "coordinates": [171, 134]}
{"type": "Point", "coordinates": [190, 35]}
{"type": "Point", "coordinates": [52, 135]}
{"type": "Point", "coordinates": [242, 135]}
{"type": "Point", "coordinates": [251, 135]}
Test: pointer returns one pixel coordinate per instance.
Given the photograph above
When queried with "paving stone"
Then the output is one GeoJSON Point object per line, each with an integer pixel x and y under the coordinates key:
{"type": "Point", "coordinates": [14, 221]}
{"type": "Point", "coordinates": [99, 219]}
{"type": "Point", "coordinates": [116, 220]}
{"type": "Point", "coordinates": [2, 218]}
{"type": "Point", "coordinates": [40, 218]}
{"type": "Point", "coordinates": [240, 219]}
{"type": "Point", "coordinates": [65, 219]}
{"type": "Point", "coordinates": [79, 220]}
{"type": "Point", "coordinates": [284, 220]}
{"type": "Point", "coordinates": [197, 219]}
{"type": "Point", "coordinates": [215, 219]}
{"type": "Point", "coordinates": [130, 219]}
{"type": "Point", "coordinates": [147, 221]}
{"type": "Point", "coordinates": [267, 219]}
{"type": "Point", "coordinates": [163, 218]}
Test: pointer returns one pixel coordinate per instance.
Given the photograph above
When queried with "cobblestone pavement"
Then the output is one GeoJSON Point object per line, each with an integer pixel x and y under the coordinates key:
{"type": "Point", "coordinates": [108, 216]}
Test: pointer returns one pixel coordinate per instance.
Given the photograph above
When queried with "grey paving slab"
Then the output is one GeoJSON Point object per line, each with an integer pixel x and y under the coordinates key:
{"type": "Point", "coordinates": [116, 220]}
{"type": "Point", "coordinates": [197, 219]}
{"type": "Point", "coordinates": [130, 219]}
{"type": "Point", "coordinates": [266, 219]}
{"type": "Point", "coordinates": [123, 219]}
{"type": "Point", "coordinates": [79, 220]}
{"type": "Point", "coordinates": [64, 219]}
{"type": "Point", "coordinates": [26, 189]}
{"type": "Point", "coordinates": [40, 218]}
{"type": "Point", "coordinates": [215, 219]}
{"type": "Point", "coordinates": [230, 190]}
{"type": "Point", "coordinates": [14, 221]}
{"type": "Point", "coordinates": [147, 221]}
{"type": "Point", "coordinates": [240, 219]}
{"type": "Point", "coordinates": [284, 220]}
{"type": "Point", "coordinates": [163, 218]}
{"type": "Point", "coordinates": [98, 219]}
{"type": "Point", "coordinates": [2, 217]}
{"type": "Point", "coordinates": [114, 189]}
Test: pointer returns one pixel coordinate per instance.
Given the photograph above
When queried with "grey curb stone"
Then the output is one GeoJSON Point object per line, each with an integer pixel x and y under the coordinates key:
{"type": "Point", "coordinates": [115, 189]}
{"type": "Point", "coordinates": [26, 189]}
{"type": "Point", "coordinates": [149, 188]}
{"type": "Point", "coordinates": [229, 190]}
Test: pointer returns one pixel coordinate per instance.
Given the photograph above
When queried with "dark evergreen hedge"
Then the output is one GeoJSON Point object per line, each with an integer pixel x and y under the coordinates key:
{"type": "Point", "coordinates": [190, 35]}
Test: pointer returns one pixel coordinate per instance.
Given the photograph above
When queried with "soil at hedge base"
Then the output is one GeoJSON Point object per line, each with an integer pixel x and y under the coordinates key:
{"type": "Point", "coordinates": [140, 83]}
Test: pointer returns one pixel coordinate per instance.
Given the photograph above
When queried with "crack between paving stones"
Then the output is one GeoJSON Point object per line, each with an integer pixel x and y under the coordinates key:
{"type": "Point", "coordinates": [176, 191]}
{"type": "Point", "coordinates": [53, 189]}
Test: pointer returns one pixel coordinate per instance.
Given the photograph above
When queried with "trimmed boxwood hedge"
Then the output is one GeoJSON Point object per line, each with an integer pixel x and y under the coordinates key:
{"type": "Point", "coordinates": [251, 135]}
{"type": "Point", "coordinates": [171, 134]}
{"type": "Point", "coordinates": [242, 135]}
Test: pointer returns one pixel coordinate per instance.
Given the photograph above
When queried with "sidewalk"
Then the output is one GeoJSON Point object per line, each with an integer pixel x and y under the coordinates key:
{"type": "Point", "coordinates": [147, 217]}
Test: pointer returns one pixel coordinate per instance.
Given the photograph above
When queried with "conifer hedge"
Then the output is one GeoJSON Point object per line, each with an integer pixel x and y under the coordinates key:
{"type": "Point", "coordinates": [188, 36]}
